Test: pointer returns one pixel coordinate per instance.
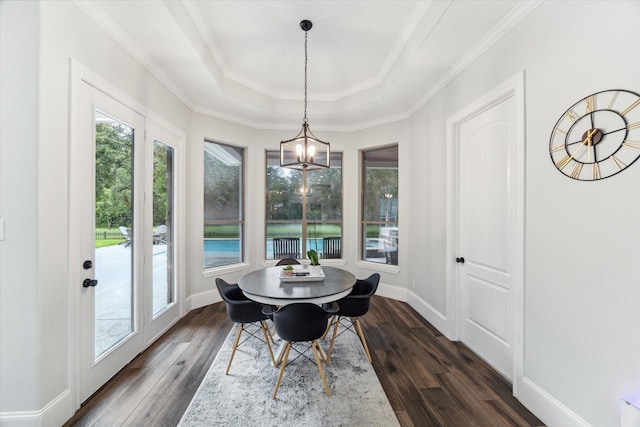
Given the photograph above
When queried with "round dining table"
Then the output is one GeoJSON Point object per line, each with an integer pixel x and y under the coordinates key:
{"type": "Point", "coordinates": [267, 287]}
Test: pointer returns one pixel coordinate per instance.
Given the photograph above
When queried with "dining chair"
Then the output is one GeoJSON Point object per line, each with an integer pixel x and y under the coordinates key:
{"type": "Point", "coordinates": [331, 247]}
{"type": "Point", "coordinates": [287, 261]}
{"type": "Point", "coordinates": [301, 322]}
{"type": "Point", "coordinates": [242, 311]}
{"type": "Point", "coordinates": [354, 306]}
{"type": "Point", "coordinates": [286, 247]}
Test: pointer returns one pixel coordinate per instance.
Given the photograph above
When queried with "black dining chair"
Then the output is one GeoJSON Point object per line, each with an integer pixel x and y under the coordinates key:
{"type": "Point", "coordinates": [354, 306]}
{"type": "Point", "coordinates": [242, 310]}
{"type": "Point", "coordinates": [301, 322]}
{"type": "Point", "coordinates": [288, 261]}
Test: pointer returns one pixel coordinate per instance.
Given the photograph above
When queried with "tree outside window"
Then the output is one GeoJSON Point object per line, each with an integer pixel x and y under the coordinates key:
{"type": "Point", "coordinates": [380, 205]}
{"type": "Point", "coordinates": [301, 203]}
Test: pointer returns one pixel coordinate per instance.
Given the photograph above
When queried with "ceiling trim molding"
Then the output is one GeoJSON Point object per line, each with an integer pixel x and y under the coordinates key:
{"type": "Point", "coordinates": [499, 31]}
{"type": "Point", "coordinates": [119, 35]}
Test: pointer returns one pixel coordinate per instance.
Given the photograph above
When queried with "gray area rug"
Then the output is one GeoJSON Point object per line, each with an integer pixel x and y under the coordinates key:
{"type": "Point", "coordinates": [244, 397]}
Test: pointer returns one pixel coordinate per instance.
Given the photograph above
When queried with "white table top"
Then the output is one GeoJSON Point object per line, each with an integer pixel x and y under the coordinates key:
{"type": "Point", "coordinates": [265, 286]}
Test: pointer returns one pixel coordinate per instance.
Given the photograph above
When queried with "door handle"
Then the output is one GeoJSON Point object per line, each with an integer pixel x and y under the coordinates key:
{"type": "Point", "coordinates": [460, 260]}
{"type": "Point", "coordinates": [89, 282]}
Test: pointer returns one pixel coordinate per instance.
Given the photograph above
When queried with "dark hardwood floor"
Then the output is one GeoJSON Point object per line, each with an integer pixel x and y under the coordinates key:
{"type": "Point", "coordinates": [429, 380]}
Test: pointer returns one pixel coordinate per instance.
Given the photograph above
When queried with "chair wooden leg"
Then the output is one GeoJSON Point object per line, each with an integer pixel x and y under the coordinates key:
{"type": "Point", "coordinates": [267, 334]}
{"type": "Point", "coordinates": [326, 331]}
{"type": "Point", "coordinates": [284, 363]}
{"type": "Point", "coordinates": [315, 346]}
{"type": "Point", "coordinates": [333, 339]}
{"type": "Point", "coordinates": [356, 322]}
{"type": "Point", "coordinates": [235, 345]}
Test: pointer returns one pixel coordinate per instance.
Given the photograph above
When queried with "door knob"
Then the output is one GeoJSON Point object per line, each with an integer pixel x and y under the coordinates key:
{"type": "Point", "coordinates": [460, 260]}
{"type": "Point", "coordinates": [89, 282]}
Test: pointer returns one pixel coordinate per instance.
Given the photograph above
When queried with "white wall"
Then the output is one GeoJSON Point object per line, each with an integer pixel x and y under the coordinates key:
{"type": "Point", "coordinates": [19, 329]}
{"type": "Point", "coordinates": [38, 41]}
{"type": "Point", "coordinates": [582, 324]}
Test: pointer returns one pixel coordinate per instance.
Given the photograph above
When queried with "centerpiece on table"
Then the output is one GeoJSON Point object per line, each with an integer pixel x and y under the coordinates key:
{"type": "Point", "coordinates": [314, 264]}
{"type": "Point", "coordinates": [287, 271]}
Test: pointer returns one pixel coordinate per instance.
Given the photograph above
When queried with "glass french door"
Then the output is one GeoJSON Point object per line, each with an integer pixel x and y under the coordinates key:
{"type": "Point", "coordinates": [122, 234]}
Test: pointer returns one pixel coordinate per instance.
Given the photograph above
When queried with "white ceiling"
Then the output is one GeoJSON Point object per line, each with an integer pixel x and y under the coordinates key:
{"type": "Point", "coordinates": [369, 62]}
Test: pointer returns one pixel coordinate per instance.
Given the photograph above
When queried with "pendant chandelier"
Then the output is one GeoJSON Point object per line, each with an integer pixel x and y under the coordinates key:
{"type": "Point", "coordinates": [304, 151]}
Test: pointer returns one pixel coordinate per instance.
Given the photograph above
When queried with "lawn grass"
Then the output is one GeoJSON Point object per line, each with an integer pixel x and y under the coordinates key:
{"type": "Point", "coordinates": [103, 243]}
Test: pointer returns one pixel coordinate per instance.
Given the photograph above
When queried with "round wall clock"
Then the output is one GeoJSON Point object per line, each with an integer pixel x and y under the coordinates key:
{"type": "Point", "coordinates": [598, 136]}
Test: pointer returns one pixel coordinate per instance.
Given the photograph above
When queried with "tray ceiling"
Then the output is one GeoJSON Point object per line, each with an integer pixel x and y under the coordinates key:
{"type": "Point", "coordinates": [370, 62]}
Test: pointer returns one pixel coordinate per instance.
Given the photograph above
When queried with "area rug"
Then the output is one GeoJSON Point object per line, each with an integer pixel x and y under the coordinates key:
{"type": "Point", "coordinates": [244, 397]}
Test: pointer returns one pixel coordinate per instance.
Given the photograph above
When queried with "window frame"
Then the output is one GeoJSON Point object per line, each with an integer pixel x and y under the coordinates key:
{"type": "Point", "coordinates": [305, 224]}
{"type": "Point", "coordinates": [241, 222]}
{"type": "Point", "coordinates": [363, 222]}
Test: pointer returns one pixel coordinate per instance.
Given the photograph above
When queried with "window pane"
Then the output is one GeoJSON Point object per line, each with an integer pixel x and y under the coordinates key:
{"type": "Point", "coordinates": [223, 204]}
{"type": "Point", "coordinates": [324, 191]}
{"type": "Point", "coordinates": [380, 205]}
{"type": "Point", "coordinates": [293, 206]}
{"type": "Point", "coordinates": [163, 247]}
{"type": "Point", "coordinates": [284, 240]}
{"type": "Point", "coordinates": [284, 190]}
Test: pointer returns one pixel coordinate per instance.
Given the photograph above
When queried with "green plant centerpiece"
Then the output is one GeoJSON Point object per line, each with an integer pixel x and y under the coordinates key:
{"type": "Point", "coordinates": [288, 270]}
{"type": "Point", "coordinates": [313, 257]}
{"type": "Point", "coordinates": [314, 266]}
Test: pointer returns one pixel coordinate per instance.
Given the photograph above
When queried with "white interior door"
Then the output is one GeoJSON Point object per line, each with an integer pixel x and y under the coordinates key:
{"type": "Point", "coordinates": [124, 221]}
{"type": "Point", "coordinates": [486, 208]}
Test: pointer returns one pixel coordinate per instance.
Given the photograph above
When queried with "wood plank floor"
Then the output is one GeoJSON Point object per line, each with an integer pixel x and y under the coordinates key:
{"type": "Point", "coordinates": [429, 380]}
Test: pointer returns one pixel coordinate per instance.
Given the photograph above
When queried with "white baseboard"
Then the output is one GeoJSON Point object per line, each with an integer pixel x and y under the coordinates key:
{"type": "Point", "coordinates": [393, 292]}
{"type": "Point", "coordinates": [201, 299]}
{"type": "Point", "coordinates": [55, 413]}
{"type": "Point", "coordinates": [430, 314]}
{"type": "Point", "coordinates": [550, 410]}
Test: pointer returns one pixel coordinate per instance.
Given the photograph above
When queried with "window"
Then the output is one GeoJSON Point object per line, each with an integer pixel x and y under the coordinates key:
{"type": "Point", "coordinates": [380, 205]}
{"type": "Point", "coordinates": [223, 204]}
{"type": "Point", "coordinates": [303, 203]}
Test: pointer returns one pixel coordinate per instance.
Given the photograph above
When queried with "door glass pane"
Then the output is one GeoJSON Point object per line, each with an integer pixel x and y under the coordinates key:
{"type": "Point", "coordinates": [113, 300]}
{"type": "Point", "coordinates": [163, 284]}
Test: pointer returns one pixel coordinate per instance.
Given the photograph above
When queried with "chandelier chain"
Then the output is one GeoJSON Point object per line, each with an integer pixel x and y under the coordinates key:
{"type": "Point", "coordinates": [305, 77]}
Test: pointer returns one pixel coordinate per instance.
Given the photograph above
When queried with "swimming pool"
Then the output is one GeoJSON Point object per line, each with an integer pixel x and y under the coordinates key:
{"type": "Point", "coordinates": [219, 252]}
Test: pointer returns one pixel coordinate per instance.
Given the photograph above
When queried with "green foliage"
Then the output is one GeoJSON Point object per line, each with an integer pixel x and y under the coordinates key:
{"type": "Point", "coordinates": [313, 257]}
{"type": "Point", "coordinates": [114, 181]}
{"type": "Point", "coordinates": [288, 268]}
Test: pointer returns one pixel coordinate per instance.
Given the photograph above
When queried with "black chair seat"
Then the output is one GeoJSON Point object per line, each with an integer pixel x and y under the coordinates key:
{"type": "Point", "coordinates": [354, 306]}
{"type": "Point", "coordinates": [241, 310]}
{"type": "Point", "coordinates": [301, 322]}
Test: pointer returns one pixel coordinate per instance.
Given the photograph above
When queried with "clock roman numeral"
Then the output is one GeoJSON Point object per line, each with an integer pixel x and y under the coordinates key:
{"type": "Point", "coordinates": [557, 130]}
{"type": "Point", "coordinates": [613, 99]}
{"type": "Point", "coordinates": [564, 161]}
{"type": "Point", "coordinates": [619, 163]}
{"type": "Point", "coordinates": [632, 144]}
{"type": "Point", "coordinates": [575, 173]}
{"type": "Point", "coordinates": [590, 103]}
{"type": "Point", "coordinates": [630, 107]}
{"type": "Point", "coordinates": [595, 171]}
{"type": "Point", "coordinates": [557, 148]}
{"type": "Point", "coordinates": [633, 125]}
{"type": "Point", "coordinates": [572, 116]}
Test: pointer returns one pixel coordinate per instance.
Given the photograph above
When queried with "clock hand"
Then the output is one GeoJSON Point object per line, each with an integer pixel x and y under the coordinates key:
{"type": "Point", "coordinates": [614, 131]}
{"type": "Point", "coordinates": [588, 140]}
